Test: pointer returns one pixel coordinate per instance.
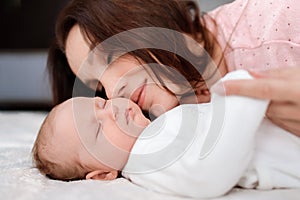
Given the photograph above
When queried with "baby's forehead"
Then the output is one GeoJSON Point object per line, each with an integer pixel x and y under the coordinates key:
{"type": "Point", "coordinates": [64, 106]}
{"type": "Point", "coordinates": [73, 114]}
{"type": "Point", "coordinates": [62, 119]}
{"type": "Point", "coordinates": [66, 110]}
{"type": "Point", "coordinates": [63, 129]}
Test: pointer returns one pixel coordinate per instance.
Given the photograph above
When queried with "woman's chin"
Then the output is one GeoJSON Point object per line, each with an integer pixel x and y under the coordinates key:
{"type": "Point", "coordinates": [157, 110]}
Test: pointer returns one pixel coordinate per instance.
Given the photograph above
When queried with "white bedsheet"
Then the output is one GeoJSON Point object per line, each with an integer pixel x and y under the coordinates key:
{"type": "Point", "coordinates": [20, 180]}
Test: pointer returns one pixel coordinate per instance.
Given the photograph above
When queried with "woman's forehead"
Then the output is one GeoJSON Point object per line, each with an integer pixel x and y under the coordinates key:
{"type": "Point", "coordinates": [77, 48]}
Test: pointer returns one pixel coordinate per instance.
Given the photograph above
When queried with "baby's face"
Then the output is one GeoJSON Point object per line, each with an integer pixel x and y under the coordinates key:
{"type": "Point", "coordinates": [97, 133]}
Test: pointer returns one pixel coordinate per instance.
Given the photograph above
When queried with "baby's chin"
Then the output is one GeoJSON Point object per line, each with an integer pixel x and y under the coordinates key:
{"type": "Point", "coordinates": [135, 129]}
{"type": "Point", "coordinates": [141, 121]}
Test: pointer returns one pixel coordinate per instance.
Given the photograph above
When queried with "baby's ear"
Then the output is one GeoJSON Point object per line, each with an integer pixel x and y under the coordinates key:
{"type": "Point", "coordinates": [102, 175]}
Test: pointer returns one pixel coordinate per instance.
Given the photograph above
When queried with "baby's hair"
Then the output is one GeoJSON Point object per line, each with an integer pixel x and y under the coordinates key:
{"type": "Point", "coordinates": [41, 154]}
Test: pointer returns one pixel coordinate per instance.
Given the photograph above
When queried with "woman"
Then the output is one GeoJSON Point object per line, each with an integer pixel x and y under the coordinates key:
{"type": "Point", "coordinates": [237, 35]}
{"type": "Point", "coordinates": [80, 28]}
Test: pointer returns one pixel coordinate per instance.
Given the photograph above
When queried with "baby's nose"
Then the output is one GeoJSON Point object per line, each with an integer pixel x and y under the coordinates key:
{"type": "Point", "coordinates": [100, 102]}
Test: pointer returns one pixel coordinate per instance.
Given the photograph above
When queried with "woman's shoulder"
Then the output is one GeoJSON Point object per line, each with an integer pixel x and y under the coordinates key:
{"type": "Point", "coordinates": [248, 23]}
{"type": "Point", "coordinates": [222, 21]}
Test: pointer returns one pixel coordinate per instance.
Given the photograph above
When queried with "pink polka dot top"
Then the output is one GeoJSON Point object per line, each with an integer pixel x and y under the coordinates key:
{"type": "Point", "coordinates": [258, 34]}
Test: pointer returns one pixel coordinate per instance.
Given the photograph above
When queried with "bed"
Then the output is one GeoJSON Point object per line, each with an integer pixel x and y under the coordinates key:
{"type": "Point", "coordinates": [20, 180]}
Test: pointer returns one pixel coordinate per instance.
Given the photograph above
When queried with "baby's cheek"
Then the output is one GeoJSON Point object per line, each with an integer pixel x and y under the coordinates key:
{"type": "Point", "coordinates": [117, 136]}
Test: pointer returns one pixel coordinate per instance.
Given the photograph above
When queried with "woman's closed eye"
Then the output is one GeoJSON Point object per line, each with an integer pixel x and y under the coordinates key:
{"type": "Point", "coordinates": [109, 57]}
{"type": "Point", "coordinates": [121, 91]}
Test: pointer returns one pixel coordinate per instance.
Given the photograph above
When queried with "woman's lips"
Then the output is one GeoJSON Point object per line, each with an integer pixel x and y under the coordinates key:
{"type": "Point", "coordinates": [139, 96]}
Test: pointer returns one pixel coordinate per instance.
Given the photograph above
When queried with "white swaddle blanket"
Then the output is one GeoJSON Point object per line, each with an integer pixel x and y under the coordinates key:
{"type": "Point", "coordinates": [204, 150]}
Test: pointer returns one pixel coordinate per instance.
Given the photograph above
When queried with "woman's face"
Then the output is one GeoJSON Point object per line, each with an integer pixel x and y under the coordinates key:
{"type": "Point", "coordinates": [124, 77]}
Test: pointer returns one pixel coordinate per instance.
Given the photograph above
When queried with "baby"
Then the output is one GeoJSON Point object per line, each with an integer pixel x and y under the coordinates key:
{"type": "Point", "coordinates": [199, 151]}
{"type": "Point", "coordinates": [74, 130]}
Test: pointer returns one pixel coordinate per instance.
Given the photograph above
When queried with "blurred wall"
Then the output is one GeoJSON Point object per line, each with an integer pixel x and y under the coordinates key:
{"type": "Point", "coordinates": [27, 29]}
{"type": "Point", "coordinates": [24, 82]}
{"type": "Point", "coordinates": [207, 5]}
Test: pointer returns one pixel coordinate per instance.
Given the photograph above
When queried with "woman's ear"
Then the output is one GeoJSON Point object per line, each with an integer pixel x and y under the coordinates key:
{"type": "Point", "coordinates": [102, 175]}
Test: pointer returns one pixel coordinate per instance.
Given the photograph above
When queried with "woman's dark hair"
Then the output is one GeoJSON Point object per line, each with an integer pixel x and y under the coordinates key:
{"type": "Point", "coordinates": [102, 19]}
